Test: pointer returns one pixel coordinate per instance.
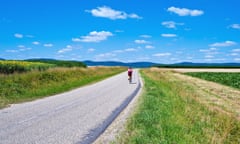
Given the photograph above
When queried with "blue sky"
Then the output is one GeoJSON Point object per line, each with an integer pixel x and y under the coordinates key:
{"type": "Point", "coordinates": [163, 31]}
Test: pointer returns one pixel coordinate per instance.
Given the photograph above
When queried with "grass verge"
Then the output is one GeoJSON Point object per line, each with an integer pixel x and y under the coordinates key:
{"type": "Point", "coordinates": [33, 85]}
{"type": "Point", "coordinates": [169, 113]}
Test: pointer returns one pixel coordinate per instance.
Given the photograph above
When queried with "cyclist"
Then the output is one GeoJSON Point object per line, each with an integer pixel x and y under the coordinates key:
{"type": "Point", "coordinates": [130, 71]}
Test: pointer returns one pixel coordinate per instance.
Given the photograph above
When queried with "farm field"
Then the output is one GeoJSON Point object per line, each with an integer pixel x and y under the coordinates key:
{"type": "Point", "coordinates": [32, 83]}
{"type": "Point", "coordinates": [225, 78]}
{"type": "Point", "coordinates": [176, 108]}
{"type": "Point", "coordinates": [203, 69]}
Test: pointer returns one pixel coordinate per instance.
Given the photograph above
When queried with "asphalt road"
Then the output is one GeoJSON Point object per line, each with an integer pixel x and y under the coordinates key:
{"type": "Point", "coordinates": [78, 116]}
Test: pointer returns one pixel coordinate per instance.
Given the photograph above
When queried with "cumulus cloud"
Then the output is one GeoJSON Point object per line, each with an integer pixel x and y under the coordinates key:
{"type": "Point", "coordinates": [66, 49]}
{"type": "Point", "coordinates": [91, 50]}
{"type": "Point", "coordinates": [94, 36]}
{"type": "Point", "coordinates": [223, 44]}
{"type": "Point", "coordinates": [235, 26]}
{"type": "Point", "coordinates": [145, 36]}
{"type": "Point", "coordinates": [185, 11]}
{"type": "Point", "coordinates": [171, 24]}
{"type": "Point", "coordinates": [162, 54]}
{"type": "Point", "coordinates": [36, 43]}
{"type": "Point", "coordinates": [236, 50]}
{"type": "Point", "coordinates": [149, 47]}
{"type": "Point", "coordinates": [130, 49]}
{"type": "Point", "coordinates": [168, 35]}
{"type": "Point", "coordinates": [105, 55]}
{"type": "Point", "coordinates": [17, 35]}
{"type": "Point", "coordinates": [48, 45]}
{"type": "Point", "coordinates": [107, 12]}
{"type": "Point", "coordinates": [237, 59]}
{"type": "Point", "coordinates": [208, 50]}
{"type": "Point", "coordinates": [141, 42]}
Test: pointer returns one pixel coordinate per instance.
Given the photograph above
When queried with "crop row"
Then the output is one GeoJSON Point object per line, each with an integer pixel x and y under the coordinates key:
{"type": "Point", "coordinates": [9, 67]}
{"type": "Point", "coordinates": [229, 79]}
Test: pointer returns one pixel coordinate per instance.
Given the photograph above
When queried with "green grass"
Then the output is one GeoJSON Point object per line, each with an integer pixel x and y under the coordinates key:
{"type": "Point", "coordinates": [37, 84]}
{"type": "Point", "coordinates": [169, 114]}
{"type": "Point", "coordinates": [229, 79]}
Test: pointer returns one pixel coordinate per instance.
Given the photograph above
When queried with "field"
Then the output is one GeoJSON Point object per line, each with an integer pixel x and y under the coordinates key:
{"type": "Point", "coordinates": [33, 82]}
{"type": "Point", "coordinates": [10, 67]}
{"type": "Point", "coordinates": [229, 79]}
{"type": "Point", "coordinates": [177, 108]}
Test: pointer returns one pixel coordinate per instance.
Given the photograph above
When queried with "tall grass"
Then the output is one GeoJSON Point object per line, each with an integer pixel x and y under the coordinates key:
{"type": "Point", "coordinates": [169, 114]}
{"type": "Point", "coordinates": [36, 84]}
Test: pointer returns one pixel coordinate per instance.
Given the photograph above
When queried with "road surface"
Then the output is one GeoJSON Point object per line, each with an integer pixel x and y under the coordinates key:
{"type": "Point", "coordinates": [78, 116]}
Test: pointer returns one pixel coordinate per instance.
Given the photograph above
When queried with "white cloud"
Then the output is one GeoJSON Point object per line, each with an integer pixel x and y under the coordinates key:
{"type": "Point", "coordinates": [76, 39]}
{"type": "Point", "coordinates": [105, 55]}
{"type": "Point", "coordinates": [36, 43]}
{"type": "Point", "coordinates": [208, 50]}
{"type": "Point", "coordinates": [185, 11]}
{"type": "Point", "coordinates": [24, 49]}
{"type": "Point", "coordinates": [209, 56]}
{"type": "Point", "coordinates": [107, 12]}
{"type": "Point", "coordinates": [94, 36]}
{"type": "Point", "coordinates": [48, 45]}
{"type": "Point", "coordinates": [66, 49]}
{"type": "Point", "coordinates": [91, 50]}
{"type": "Point", "coordinates": [171, 24]}
{"type": "Point", "coordinates": [21, 46]}
{"type": "Point", "coordinates": [141, 42]}
{"type": "Point", "coordinates": [223, 44]}
{"type": "Point", "coordinates": [17, 35]}
{"type": "Point", "coordinates": [234, 54]}
{"type": "Point", "coordinates": [145, 36]}
{"type": "Point", "coordinates": [162, 54]}
{"type": "Point", "coordinates": [169, 35]}
{"type": "Point", "coordinates": [235, 26]}
{"type": "Point", "coordinates": [118, 51]}
{"type": "Point", "coordinates": [130, 49]}
{"type": "Point", "coordinates": [237, 59]}
{"type": "Point", "coordinates": [149, 47]}
{"type": "Point", "coordinates": [236, 50]}
{"type": "Point", "coordinates": [12, 51]}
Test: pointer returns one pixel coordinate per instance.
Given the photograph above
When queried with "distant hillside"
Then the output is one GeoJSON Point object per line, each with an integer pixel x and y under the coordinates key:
{"type": "Point", "coordinates": [2, 59]}
{"type": "Point", "coordinates": [114, 63]}
{"type": "Point", "coordinates": [200, 65]}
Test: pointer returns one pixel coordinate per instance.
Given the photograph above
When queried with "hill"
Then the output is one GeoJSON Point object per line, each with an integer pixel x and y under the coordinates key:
{"type": "Point", "coordinates": [115, 63]}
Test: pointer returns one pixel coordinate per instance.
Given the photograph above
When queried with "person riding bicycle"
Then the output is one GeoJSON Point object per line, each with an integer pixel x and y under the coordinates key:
{"type": "Point", "coordinates": [130, 71]}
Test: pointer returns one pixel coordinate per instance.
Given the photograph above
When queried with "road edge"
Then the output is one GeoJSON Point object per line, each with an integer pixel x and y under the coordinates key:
{"type": "Point", "coordinates": [117, 126]}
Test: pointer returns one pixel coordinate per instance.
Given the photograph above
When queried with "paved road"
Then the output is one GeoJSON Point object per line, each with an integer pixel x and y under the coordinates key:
{"type": "Point", "coordinates": [78, 116]}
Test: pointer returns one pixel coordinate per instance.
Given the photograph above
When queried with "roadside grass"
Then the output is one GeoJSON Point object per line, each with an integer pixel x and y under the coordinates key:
{"type": "Point", "coordinates": [229, 79]}
{"type": "Point", "coordinates": [32, 85]}
{"type": "Point", "coordinates": [168, 113]}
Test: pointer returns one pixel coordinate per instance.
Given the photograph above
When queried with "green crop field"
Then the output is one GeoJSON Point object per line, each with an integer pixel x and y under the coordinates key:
{"type": "Point", "coordinates": [229, 79]}
{"type": "Point", "coordinates": [10, 67]}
